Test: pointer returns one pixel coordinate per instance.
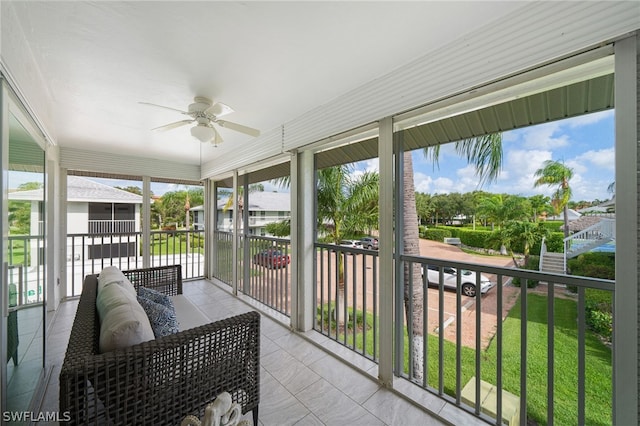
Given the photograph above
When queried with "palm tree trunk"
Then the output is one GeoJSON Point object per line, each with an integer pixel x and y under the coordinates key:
{"type": "Point", "coordinates": [413, 297]}
{"type": "Point", "coordinates": [566, 220]}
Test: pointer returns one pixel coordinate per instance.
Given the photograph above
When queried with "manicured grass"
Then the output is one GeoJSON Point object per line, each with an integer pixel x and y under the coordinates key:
{"type": "Point", "coordinates": [598, 385]}
{"type": "Point", "coordinates": [175, 244]}
{"type": "Point", "coordinates": [598, 371]}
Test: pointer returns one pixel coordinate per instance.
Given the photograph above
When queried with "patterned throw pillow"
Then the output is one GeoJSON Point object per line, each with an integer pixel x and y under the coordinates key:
{"type": "Point", "coordinates": [155, 296]}
{"type": "Point", "coordinates": [162, 318]}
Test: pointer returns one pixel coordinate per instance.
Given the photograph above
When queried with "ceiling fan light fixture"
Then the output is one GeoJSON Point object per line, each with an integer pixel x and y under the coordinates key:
{"type": "Point", "coordinates": [203, 133]}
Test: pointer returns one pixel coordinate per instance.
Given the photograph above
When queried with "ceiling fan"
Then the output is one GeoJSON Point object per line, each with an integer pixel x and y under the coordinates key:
{"type": "Point", "coordinates": [205, 113]}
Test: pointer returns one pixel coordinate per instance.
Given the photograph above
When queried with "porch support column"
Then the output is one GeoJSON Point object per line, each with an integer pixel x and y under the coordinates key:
{"type": "Point", "coordinates": [626, 321]}
{"type": "Point", "coordinates": [210, 220]}
{"type": "Point", "coordinates": [146, 222]}
{"type": "Point", "coordinates": [53, 236]}
{"type": "Point", "coordinates": [64, 239]}
{"type": "Point", "coordinates": [246, 266]}
{"type": "Point", "coordinates": [385, 251]}
{"type": "Point", "coordinates": [302, 239]}
{"type": "Point", "coordinates": [236, 234]}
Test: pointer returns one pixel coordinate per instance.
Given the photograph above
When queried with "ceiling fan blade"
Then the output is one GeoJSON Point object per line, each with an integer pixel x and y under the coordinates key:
{"type": "Point", "coordinates": [173, 125]}
{"type": "Point", "coordinates": [165, 107]}
{"type": "Point", "coordinates": [219, 109]}
{"type": "Point", "coordinates": [239, 128]}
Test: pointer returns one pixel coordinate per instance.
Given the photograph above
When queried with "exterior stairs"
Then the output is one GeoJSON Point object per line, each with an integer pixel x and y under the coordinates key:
{"type": "Point", "coordinates": [596, 235]}
{"type": "Point", "coordinates": [589, 238]}
{"type": "Point", "coordinates": [552, 262]}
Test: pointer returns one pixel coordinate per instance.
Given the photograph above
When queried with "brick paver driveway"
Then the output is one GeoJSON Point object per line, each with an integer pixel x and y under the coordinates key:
{"type": "Point", "coordinates": [488, 316]}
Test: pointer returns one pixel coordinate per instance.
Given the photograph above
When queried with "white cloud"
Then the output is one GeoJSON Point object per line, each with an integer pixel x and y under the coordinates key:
{"type": "Point", "coordinates": [372, 165]}
{"type": "Point", "coordinates": [544, 136]}
{"type": "Point", "coordinates": [443, 185]}
{"type": "Point", "coordinates": [603, 158]}
{"type": "Point", "coordinates": [587, 119]}
{"type": "Point", "coordinates": [422, 182]}
{"type": "Point", "coordinates": [517, 176]}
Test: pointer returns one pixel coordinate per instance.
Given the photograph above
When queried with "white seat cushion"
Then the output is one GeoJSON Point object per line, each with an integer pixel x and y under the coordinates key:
{"type": "Point", "coordinates": [188, 315]}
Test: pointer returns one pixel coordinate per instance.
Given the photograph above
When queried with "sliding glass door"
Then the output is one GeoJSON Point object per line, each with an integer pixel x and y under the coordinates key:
{"type": "Point", "coordinates": [23, 256]}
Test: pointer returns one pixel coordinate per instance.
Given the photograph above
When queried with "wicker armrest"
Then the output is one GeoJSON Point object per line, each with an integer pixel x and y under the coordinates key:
{"type": "Point", "coordinates": [165, 279]}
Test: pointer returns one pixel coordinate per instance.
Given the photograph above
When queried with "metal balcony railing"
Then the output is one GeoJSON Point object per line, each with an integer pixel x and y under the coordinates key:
{"type": "Point", "coordinates": [25, 270]}
{"type": "Point", "coordinates": [111, 226]}
{"type": "Point", "coordinates": [90, 253]}
{"type": "Point", "coordinates": [438, 360]}
{"type": "Point", "coordinates": [347, 297]}
{"type": "Point", "coordinates": [265, 275]}
{"type": "Point", "coordinates": [533, 349]}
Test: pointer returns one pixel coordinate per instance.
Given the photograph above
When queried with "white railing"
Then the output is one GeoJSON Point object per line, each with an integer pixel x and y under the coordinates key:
{"type": "Point", "coordinates": [589, 238]}
{"type": "Point", "coordinates": [90, 253]}
{"type": "Point", "coordinates": [111, 226]}
{"type": "Point", "coordinates": [543, 250]}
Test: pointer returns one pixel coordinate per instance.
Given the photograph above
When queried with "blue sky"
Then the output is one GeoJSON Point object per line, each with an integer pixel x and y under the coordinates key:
{"type": "Point", "coordinates": [585, 143]}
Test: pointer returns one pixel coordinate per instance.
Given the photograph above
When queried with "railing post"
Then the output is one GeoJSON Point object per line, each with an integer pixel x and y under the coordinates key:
{"type": "Point", "coordinates": [146, 223]}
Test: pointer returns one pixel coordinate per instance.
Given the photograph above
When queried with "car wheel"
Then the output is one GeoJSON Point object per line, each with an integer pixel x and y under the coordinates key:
{"type": "Point", "coordinates": [469, 290]}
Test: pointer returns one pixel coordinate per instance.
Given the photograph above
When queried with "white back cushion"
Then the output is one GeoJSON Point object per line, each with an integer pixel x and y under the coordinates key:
{"type": "Point", "coordinates": [113, 275]}
{"type": "Point", "coordinates": [123, 321]}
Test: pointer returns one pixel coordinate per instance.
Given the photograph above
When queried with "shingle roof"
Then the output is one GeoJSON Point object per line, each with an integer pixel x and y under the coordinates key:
{"type": "Point", "coordinates": [80, 189]}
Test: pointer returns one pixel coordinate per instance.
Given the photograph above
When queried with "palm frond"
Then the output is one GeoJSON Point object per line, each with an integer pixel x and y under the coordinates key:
{"type": "Point", "coordinates": [485, 153]}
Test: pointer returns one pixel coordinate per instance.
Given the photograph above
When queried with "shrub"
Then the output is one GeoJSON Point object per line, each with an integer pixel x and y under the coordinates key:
{"type": "Point", "coordinates": [436, 234]}
{"type": "Point", "coordinates": [598, 303]}
{"type": "Point", "coordinates": [533, 264]}
{"type": "Point", "coordinates": [595, 265]}
{"type": "Point", "coordinates": [555, 243]}
{"type": "Point", "coordinates": [469, 237]}
{"type": "Point", "coordinates": [600, 322]}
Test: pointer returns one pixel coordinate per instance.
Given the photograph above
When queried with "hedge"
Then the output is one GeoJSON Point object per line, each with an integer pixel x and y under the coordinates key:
{"type": "Point", "coordinates": [598, 303]}
{"type": "Point", "coordinates": [435, 234]}
{"type": "Point", "coordinates": [469, 237]}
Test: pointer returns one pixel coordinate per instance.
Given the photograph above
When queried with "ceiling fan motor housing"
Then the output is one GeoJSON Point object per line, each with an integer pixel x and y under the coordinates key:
{"type": "Point", "coordinates": [200, 104]}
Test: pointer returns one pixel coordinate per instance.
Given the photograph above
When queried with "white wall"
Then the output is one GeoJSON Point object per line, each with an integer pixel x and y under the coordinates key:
{"type": "Point", "coordinates": [77, 218]}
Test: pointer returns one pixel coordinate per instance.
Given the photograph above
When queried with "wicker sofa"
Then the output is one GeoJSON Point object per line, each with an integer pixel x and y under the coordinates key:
{"type": "Point", "coordinates": [160, 381]}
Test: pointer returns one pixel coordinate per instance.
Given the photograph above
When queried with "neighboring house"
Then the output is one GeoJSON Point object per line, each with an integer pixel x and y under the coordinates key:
{"type": "Point", "coordinates": [573, 215]}
{"type": "Point", "coordinates": [264, 208]}
{"type": "Point", "coordinates": [93, 209]}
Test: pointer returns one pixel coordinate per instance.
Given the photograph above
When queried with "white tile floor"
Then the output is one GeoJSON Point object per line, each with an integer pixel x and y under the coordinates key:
{"type": "Point", "coordinates": [302, 381]}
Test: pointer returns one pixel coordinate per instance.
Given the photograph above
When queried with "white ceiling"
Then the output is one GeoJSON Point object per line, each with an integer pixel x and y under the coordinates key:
{"type": "Point", "coordinates": [270, 61]}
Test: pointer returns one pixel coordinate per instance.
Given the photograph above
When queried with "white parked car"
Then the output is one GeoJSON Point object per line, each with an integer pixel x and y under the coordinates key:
{"type": "Point", "coordinates": [467, 279]}
{"type": "Point", "coordinates": [351, 243]}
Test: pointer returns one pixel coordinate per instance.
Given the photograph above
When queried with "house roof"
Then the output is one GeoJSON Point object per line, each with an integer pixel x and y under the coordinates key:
{"type": "Point", "coordinates": [261, 201]}
{"type": "Point", "coordinates": [573, 215]}
{"type": "Point", "coordinates": [80, 189]}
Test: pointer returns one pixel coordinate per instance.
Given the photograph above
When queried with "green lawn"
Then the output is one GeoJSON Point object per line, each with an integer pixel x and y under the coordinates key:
{"type": "Point", "coordinates": [170, 244]}
{"type": "Point", "coordinates": [598, 363]}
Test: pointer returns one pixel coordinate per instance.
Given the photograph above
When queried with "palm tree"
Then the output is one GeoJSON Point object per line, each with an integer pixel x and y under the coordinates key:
{"type": "Point", "coordinates": [485, 153]}
{"type": "Point", "coordinates": [556, 173]}
{"type": "Point", "coordinates": [525, 234]}
{"type": "Point", "coordinates": [341, 202]}
{"type": "Point", "coordinates": [345, 206]}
